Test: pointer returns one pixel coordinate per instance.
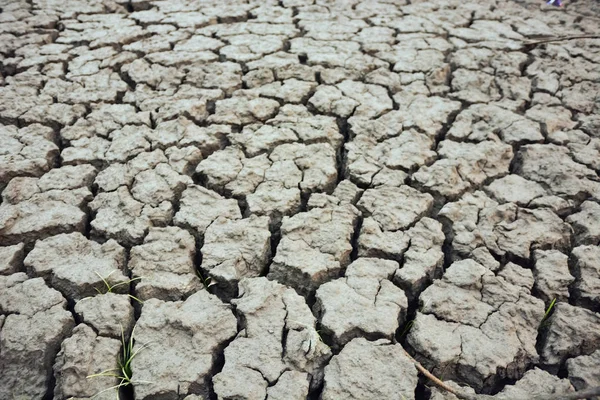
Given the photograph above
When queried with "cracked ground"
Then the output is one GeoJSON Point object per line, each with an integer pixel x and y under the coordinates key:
{"type": "Point", "coordinates": [284, 198]}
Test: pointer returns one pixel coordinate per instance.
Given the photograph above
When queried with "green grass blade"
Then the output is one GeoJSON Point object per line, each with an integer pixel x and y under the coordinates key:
{"type": "Point", "coordinates": [103, 372]}
{"type": "Point", "coordinates": [108, 288]}
{"type": "Point", "coordinates": [549, 308]}
{"type": "Point", "coordinates": [136, 299]}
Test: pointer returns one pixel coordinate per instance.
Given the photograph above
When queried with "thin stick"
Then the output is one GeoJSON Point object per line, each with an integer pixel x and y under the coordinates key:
{"type": "Point", "coordinates": [561, 39]}
{"type": "Point", "coordinates": [582, 394]}
{"type": "Point", "coordinates": [430, 376]}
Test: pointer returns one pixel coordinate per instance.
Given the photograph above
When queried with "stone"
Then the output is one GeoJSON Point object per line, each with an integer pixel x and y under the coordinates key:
{"type": "Point", "coordinates": [572, 331]}
{"type": "Point", "coordinates": [163, 265]}
{"type": "Point", "coordinates": [364, 369]}
{"type": "Point", "coordinates": [585, 223]}
{"type": "Point", "coordinates": [35, 322]}
{"type": "Point", "coordinates": [109, 314]}
{"type": "Point", "coordinates": [180, 342]}
{"type": "Point", "coordinates": [199, 207]}
{"type": "Point", "coordinates": [581, 371]}
{"type": "Point", "coordinates": [278, 335]}
{"type": "Point", "coordinates": [365, 303]}
{"type": "Point", "coordinates": [488, 326]}
{"type": "Point", "coordinates": [314, 245]}
{"type": "Point", "coordinates": [11, 259]}
{"type": "Point", "coordinates": [236, 249]}
{"type": "Point", "coordinates": [552, 276]}
{"type": "Point", "coordinates": [585, 261]}
{"type": "Point", "coordinates": [82, 354]}
{"type": "Point", "coordinates": [78, 267]}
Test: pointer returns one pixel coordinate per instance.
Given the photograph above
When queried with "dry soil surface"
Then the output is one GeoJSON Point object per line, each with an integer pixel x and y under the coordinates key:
{"type": "Point", "coordinates": [283, 196]}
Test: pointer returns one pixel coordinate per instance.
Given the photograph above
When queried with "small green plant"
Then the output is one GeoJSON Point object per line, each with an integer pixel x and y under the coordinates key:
{"type": "Point", "coordinates": [545, 321]}
{"type": "Point", "coordinates": [109, 288]}
{"type": "Point", "coordinates": [123, 372]}
{"type": "Point", "coordinates": [207, 282]}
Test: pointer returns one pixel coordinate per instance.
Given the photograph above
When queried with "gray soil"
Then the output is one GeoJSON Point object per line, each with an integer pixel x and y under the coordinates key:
{"type": "Point", "coordinates": [276, 200]}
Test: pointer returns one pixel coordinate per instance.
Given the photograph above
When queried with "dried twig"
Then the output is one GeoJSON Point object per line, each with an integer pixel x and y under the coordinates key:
{"type": "Point", "coordinates": [560, 39]}
{"type": "Point", "coordinates": [582, 394]}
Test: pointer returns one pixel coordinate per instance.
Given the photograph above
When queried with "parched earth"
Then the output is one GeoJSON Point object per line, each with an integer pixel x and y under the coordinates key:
{"type": "Point", "coordinates": [282, 197]}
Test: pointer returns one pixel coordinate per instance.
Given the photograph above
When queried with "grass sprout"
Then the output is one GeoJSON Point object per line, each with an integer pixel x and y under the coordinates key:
{"type": "Point", "coordinates": [207, 282]}
{"type": "Point", "coordinates": [123, 373]}
{"type": "Point", "coordinates": [545, 321]}
{"type": "Point", "coordinates": [109, 288]}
